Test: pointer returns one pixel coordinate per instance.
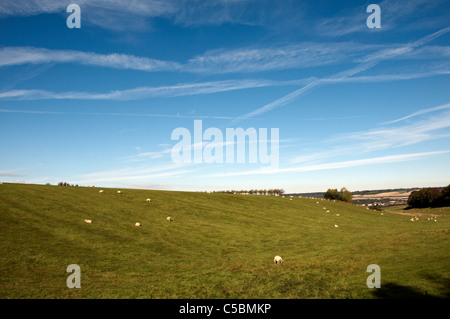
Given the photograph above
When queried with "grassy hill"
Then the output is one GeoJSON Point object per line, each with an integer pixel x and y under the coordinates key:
{"type": "Point", "coordinates": [217, 246]}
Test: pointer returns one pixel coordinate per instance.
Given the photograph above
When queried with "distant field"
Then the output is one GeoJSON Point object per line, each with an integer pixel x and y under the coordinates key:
{"type": "Point", "coordinates": [424, 212]}
{"type": "Point", "coordinates": [217, 246]}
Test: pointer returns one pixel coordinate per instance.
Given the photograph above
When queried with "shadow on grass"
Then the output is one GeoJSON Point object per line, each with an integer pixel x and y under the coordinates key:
{"type": "Point", "coordinates": [396, 291]}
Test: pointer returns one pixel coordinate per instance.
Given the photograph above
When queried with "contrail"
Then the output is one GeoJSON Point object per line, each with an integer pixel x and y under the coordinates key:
{"type": "Point", "coordinates": [368, 63]}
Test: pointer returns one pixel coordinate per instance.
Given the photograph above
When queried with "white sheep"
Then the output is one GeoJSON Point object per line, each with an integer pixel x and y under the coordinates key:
{"type": "Point", "coordinates": [336, 226]}
{"type": "Point", "coordinates": [88, 221]}
{"type": "Point", "coordinates": [137, 224]}
{"type": "Point", "coordinates": [327, 211]}
{"type": "Point", "coordinates": [412, 219]}
{"type": "Point", "coordinates": [148, 200]}
{"type": "Point", "coordinates": [101, 191]}
{"type": "Point", "coordinates": [169, 219]}
{"type": "Point", "coordinates": [278, 260]}
{"type": "Point", "coordinates": [337, 215]}
{"type": "Point", "coordinates": [119, 192]}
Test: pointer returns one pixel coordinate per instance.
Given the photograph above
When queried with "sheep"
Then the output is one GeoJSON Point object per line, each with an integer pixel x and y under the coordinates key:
{"type": "Point", "coordinates": [327, 211]}
{"type": "Point", "coordinates": [278, 260]}
{"type": "Point", "coordinates": [290, 198]}
{"type": "Point", "coordinates": [137, 224]}
{"type": "Point", "coordinates": [169, 219]}
{"type": "Point", "coordinates": [148, 200]}
{"type": "Point", "coordinates": [119, 192]}
{"type": "Point", "coordinates": [336, 226]}
{"type": "Point", "coordinates": [382, 214]}
{"type": "Point", "coordinates": [412, 219]}
{"type": "Point", "coordinates": [88, 221]}
{"type": "Point", "coordinates": [337, 215]}
{"type": "Point", "coordinates": [101, 191]}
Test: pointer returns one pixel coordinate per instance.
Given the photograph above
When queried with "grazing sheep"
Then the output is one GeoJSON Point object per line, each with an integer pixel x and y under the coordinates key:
{"type": "Point", "coordinates": [412, 219]}
{"type": "Point", "coordinates": [119, 192]}
{"type": "Point", "coordinates": [149, 200]}
{"type": "Point", "coordinates": [382, 214]}
{"type": "Point", "coordinates": [317, 202]}
{"type": "Point", "coordinates": [435, 220]}
{"type": "Point", "coordinates": [336, 226]}
{"type": "Point", "coordinates": [88, 221]}
{"type": "Point", "coordinates": [290, 198]}
{"type": "Point", "coordinates": [337, 215]}
{"type": "Point", "coordinates": [278, 260]}
{"type": "Point", "coordinates": [327, 211]}
{"type": "Point", "coordinates": [137, 224]}
{"type": "Point", "coordinates": [101, 191]}
{"type": "Point", "coordinates": [169, 219]}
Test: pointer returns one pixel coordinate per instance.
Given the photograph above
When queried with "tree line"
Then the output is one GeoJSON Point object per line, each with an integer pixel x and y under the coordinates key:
{"type": "Point", "coordinates": [344, 195]}
{"type": "Point", "coordinates": [429, 197]}
{"type": "Point", "coordinates": [267, 192]}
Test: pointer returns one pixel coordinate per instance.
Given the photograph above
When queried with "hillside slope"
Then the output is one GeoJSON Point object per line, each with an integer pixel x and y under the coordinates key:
{"type": "Point", "coordinates": [217, 246]}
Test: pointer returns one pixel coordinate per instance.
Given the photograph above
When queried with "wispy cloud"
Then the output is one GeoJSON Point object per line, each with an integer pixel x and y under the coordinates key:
{"type": "Point", "coordinates": [142, 92]}
{"type": "Point", "coordinates": [243, 60]}
{"type": "Point", "coordinates": [394, 14]}
{"type": "Point", "coordinates": [116, 114]}
{"type": "Point", "coordinates": [383, 138]}
{"type": "Point", "coordinates": [335, 165]}
{"type": "Point", "coordinates": [369, 62]}
{"type": "Point", "coordinates": [133, 174]}
{"type": "Point", "coordinates": [30, 55]}
{"type": "Point", "coordinates": [420, 112]}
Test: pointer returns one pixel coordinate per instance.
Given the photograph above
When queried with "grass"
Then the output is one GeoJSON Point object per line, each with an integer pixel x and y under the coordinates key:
{"type": "Point", "coordinates": [217, 246]}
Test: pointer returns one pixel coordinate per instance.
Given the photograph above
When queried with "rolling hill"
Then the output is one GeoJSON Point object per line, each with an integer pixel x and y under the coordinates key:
{"type": "Point", "coordinates": [217, 246]}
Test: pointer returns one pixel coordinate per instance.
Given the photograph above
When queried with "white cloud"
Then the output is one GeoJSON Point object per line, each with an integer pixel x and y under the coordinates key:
{"type": "Point", "coordinates": [30, 55]}
{"type": "Point", "coordinates": [133, 174]}
{"type": "Point", "coordinates": [142, 92]}
{"type": "Point", "coordinates": [420, 112]}
{"type": "Point", "coordinates": [335, 165]}
{"type": "Point", "coordinates": [369, 62]}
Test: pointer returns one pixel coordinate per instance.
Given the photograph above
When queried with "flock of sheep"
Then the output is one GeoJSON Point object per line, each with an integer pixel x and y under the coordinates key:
{"type": "Point", "coordinates": [433, 218]}
{"type": "Point", "coordinates": [327, 211]}
{"type": "Point", "coordinates": [137, 224]}
{"type": "Point", "coordinates": [277, 259]}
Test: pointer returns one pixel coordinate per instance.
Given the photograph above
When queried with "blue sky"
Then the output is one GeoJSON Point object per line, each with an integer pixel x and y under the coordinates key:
{"type": "Point", "coordinates": [355, 107]}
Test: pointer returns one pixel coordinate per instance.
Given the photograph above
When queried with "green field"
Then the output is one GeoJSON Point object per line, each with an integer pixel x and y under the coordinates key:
{"type": "Point", "coordinates": [217, 246]}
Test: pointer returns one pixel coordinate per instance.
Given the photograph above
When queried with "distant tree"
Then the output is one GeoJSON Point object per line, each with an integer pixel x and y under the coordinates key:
{"type": "Point", "coordinates": [443, 198]}
{"type": "Point", "coordinates": [332, 194]}
{"type": "Point", "coordinates": [429, 197]}
{"type": "Point", "coordinates": [345, 195]}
